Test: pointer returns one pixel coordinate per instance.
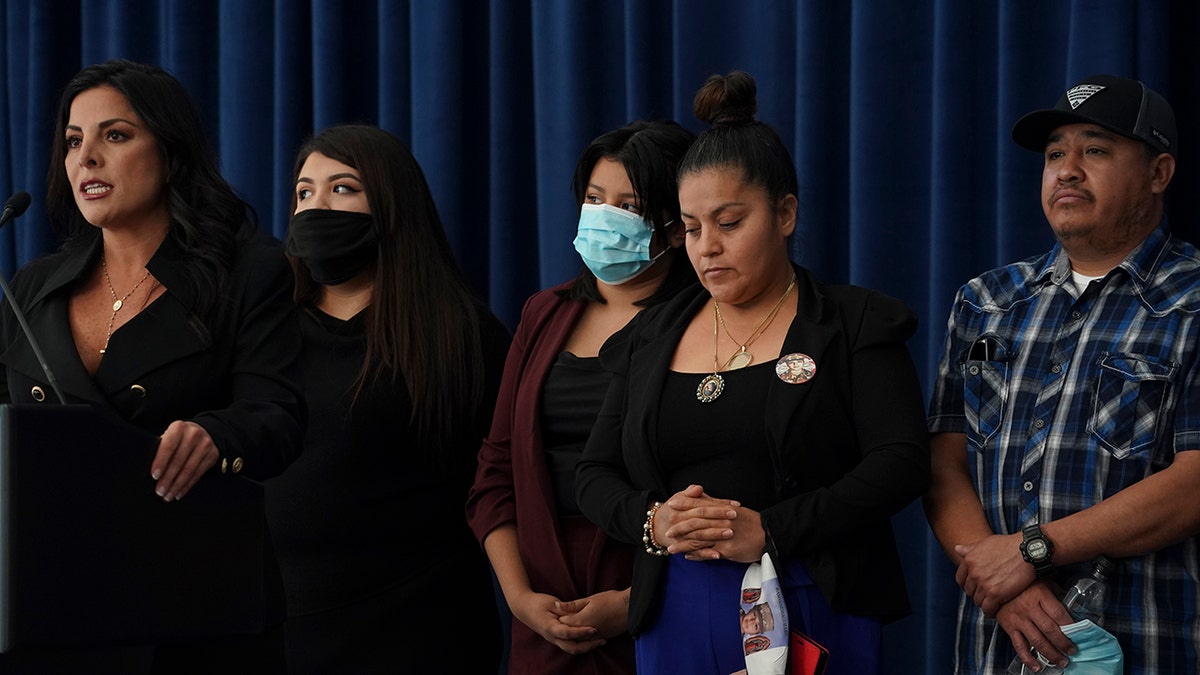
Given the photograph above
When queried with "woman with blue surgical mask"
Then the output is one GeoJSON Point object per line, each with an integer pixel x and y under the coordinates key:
{"type": "Point", "coordinates": [566, 583]}
{"type": "Point", "coordinates": [613, 241]}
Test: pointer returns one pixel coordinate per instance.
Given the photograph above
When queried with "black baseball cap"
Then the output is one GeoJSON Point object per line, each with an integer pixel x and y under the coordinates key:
{"type": "Point", "coordinates": [1119, 104]}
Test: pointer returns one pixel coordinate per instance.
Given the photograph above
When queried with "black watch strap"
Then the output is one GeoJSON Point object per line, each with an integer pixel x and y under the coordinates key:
{"type": "Point", "coordinates": [1037, 550]}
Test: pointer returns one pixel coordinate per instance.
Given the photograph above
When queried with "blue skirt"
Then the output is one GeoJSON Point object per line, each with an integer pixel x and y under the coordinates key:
{"type": "Point", "coordinates": [698, 632]}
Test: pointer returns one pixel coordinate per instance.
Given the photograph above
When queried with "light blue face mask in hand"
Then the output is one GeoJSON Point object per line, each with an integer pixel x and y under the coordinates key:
{"type": "Point", "coordinates": [1099, 653]}
{"type": "Point", "coordinates": [614, 243]}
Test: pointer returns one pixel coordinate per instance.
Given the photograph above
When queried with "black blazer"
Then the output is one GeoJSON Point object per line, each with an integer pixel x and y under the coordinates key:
{"type": "Point", "coordinates": [238, 378]}
{"type": "Point", "coordinates": [850, 445]}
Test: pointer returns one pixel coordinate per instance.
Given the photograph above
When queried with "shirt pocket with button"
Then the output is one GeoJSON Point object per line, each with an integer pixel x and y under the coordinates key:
{"type": "Point", "coordinates": [985, 390]}
{"type": "Point", "coordinates": [1130, 390]}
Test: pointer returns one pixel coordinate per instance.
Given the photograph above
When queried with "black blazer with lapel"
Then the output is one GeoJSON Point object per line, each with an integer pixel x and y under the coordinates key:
{"type": "Point", "coordinates": [850, 445]}
{"type": "Point", "coordinates": [238, 378]}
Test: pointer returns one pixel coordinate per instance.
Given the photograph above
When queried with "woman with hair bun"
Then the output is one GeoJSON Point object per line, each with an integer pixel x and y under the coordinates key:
{"type": "Point", "coordinates": [761, 415]}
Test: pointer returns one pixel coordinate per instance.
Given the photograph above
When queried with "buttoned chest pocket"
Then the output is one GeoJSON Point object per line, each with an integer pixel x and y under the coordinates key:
{"type": "Point", "coordinates": [985, 399]}
{"type": "Point", "coordinates": [1130, 391]}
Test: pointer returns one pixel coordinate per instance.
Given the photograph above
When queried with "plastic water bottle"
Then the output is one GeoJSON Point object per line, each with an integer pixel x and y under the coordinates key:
{"type": "Point", "coordinates": [1083, 600]}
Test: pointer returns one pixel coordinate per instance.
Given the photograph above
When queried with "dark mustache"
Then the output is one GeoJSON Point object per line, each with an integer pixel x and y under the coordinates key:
{"type": "Point", "coordinates": [1072, 187]}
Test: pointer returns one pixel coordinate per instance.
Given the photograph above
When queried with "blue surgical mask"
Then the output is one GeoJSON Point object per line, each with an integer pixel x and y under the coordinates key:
{"type": "Point", "coordinates": [614, 243]}
{"type": "Point", "coordinates": [1099, 653]}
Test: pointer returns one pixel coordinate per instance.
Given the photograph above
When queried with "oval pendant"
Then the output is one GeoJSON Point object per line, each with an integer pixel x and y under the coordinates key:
{"type": "Point", "coordinates": [710, 388]}
{"type": "Point", "coordinates": [740, 360]}
{"type": "Point", "coordinates": [117, 306]}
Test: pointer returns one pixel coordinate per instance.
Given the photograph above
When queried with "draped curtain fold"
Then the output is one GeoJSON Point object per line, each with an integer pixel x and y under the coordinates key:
{"type": "Point", "coordinates": [897, 115]}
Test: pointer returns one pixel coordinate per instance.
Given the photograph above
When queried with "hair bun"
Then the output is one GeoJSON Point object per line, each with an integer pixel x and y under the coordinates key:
{"type": "Point", "coordinates": [727, 100]}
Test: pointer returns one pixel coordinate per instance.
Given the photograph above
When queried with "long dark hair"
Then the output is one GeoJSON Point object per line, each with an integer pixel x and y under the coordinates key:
{"type": "Point", "coordinates": [650, 153]}
{"type": "Point", "coordinates": [207, 218]}
{"type": "Point", "coordinates": [737, 140]}
{"type": "Point", "coordinates": [422, 325]}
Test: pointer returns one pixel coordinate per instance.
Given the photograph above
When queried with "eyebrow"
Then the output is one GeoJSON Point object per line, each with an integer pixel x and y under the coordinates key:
{"type": "Point", "coordinates": [1101, 134]}
{"type": "Point", "coordinates": [336, 176]}
{"type": "Point", "coordinates": [105, 124]}
{"type": "Point", "coordinates": [623, 195]}
{"type": "Point", "coordinates": [717, 211]}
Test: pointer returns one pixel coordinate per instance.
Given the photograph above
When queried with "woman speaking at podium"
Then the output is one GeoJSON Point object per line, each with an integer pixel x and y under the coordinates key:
{"type": "Point", "coordinates": [165, 308]}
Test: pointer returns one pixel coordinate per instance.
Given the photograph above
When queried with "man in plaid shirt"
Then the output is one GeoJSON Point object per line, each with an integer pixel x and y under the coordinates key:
{"type": "Point", "coordinates": [1066, 413]}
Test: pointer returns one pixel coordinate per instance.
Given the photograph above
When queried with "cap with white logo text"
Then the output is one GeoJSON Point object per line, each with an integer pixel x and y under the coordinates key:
{"type": "Point", "coordinates": [1119, 104]}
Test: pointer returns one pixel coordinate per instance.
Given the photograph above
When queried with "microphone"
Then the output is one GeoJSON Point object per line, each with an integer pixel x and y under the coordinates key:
{"type": "Point", "coordinates": [13, 208]}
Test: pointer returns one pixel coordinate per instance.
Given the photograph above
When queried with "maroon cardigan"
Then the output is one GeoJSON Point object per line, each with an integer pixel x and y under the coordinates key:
{"type": "Point", "coordinates": [512, 485]}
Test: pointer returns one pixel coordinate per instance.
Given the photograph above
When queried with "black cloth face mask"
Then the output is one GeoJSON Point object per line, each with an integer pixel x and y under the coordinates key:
{"type": "Point", "coordinates": [334, 245]}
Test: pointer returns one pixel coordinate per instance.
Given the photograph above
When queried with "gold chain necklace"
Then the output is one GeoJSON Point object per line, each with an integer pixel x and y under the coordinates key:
{"type": "Point", "coordinates": [712, 385]}
{"type": "Point", "coordinates": [742, 358]}
{"type": "Point", "coordinates": [118, 303]}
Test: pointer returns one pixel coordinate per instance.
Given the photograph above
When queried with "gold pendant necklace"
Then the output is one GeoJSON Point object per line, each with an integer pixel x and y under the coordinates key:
{"type": "Point", "coordinates": [712, 385]}
{"type": "Point", "coordinates": [742, 357]}
{"type": "Point", "coordinates": [118, 303]}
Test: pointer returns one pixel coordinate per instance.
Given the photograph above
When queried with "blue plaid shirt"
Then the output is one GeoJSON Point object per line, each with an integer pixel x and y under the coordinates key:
{"type": "Point", "coordinates": [1066, 398]}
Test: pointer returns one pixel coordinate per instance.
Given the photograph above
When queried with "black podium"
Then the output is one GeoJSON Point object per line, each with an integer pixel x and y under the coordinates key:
{"type": "Point", "coordinates": [89, 555]}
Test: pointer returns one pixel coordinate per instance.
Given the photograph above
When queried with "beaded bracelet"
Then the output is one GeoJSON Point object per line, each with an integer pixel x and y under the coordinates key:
{"type": "Point", "coordinates": [652, 546]}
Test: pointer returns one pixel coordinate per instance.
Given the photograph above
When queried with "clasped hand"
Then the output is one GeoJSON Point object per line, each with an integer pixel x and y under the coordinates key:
{"type": "Point", "coordinates": [574, 626]}
{"type": "Point", "coordinates": [995, 576]}
{"type": "Point", "coordinates": [702, 527]}
{"type": "Point", "coordinates": [992, 571]}
{"type": "Point", "coordinates": [1032, 620]}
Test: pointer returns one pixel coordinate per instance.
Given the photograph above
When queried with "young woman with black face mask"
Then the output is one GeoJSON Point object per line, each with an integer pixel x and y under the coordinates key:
{"type": "Point", "coordinates": [401, 366]}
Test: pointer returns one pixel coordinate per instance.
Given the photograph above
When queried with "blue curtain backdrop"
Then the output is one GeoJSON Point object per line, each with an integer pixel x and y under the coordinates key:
{"type": "Point", "coordinates": [897, 113]}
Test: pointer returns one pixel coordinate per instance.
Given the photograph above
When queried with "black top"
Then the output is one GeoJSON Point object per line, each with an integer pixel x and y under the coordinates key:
{"type": "Point", "coordinates": [848, 447]}
{"type": "Point", "coordinates": [571, 398]}
{"type": "Point", "coordinates": [362, 510]}
{"type": "Point", "coordinates": [721, 445]}
{"type": "Point", "coordinates": [235, 374]}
